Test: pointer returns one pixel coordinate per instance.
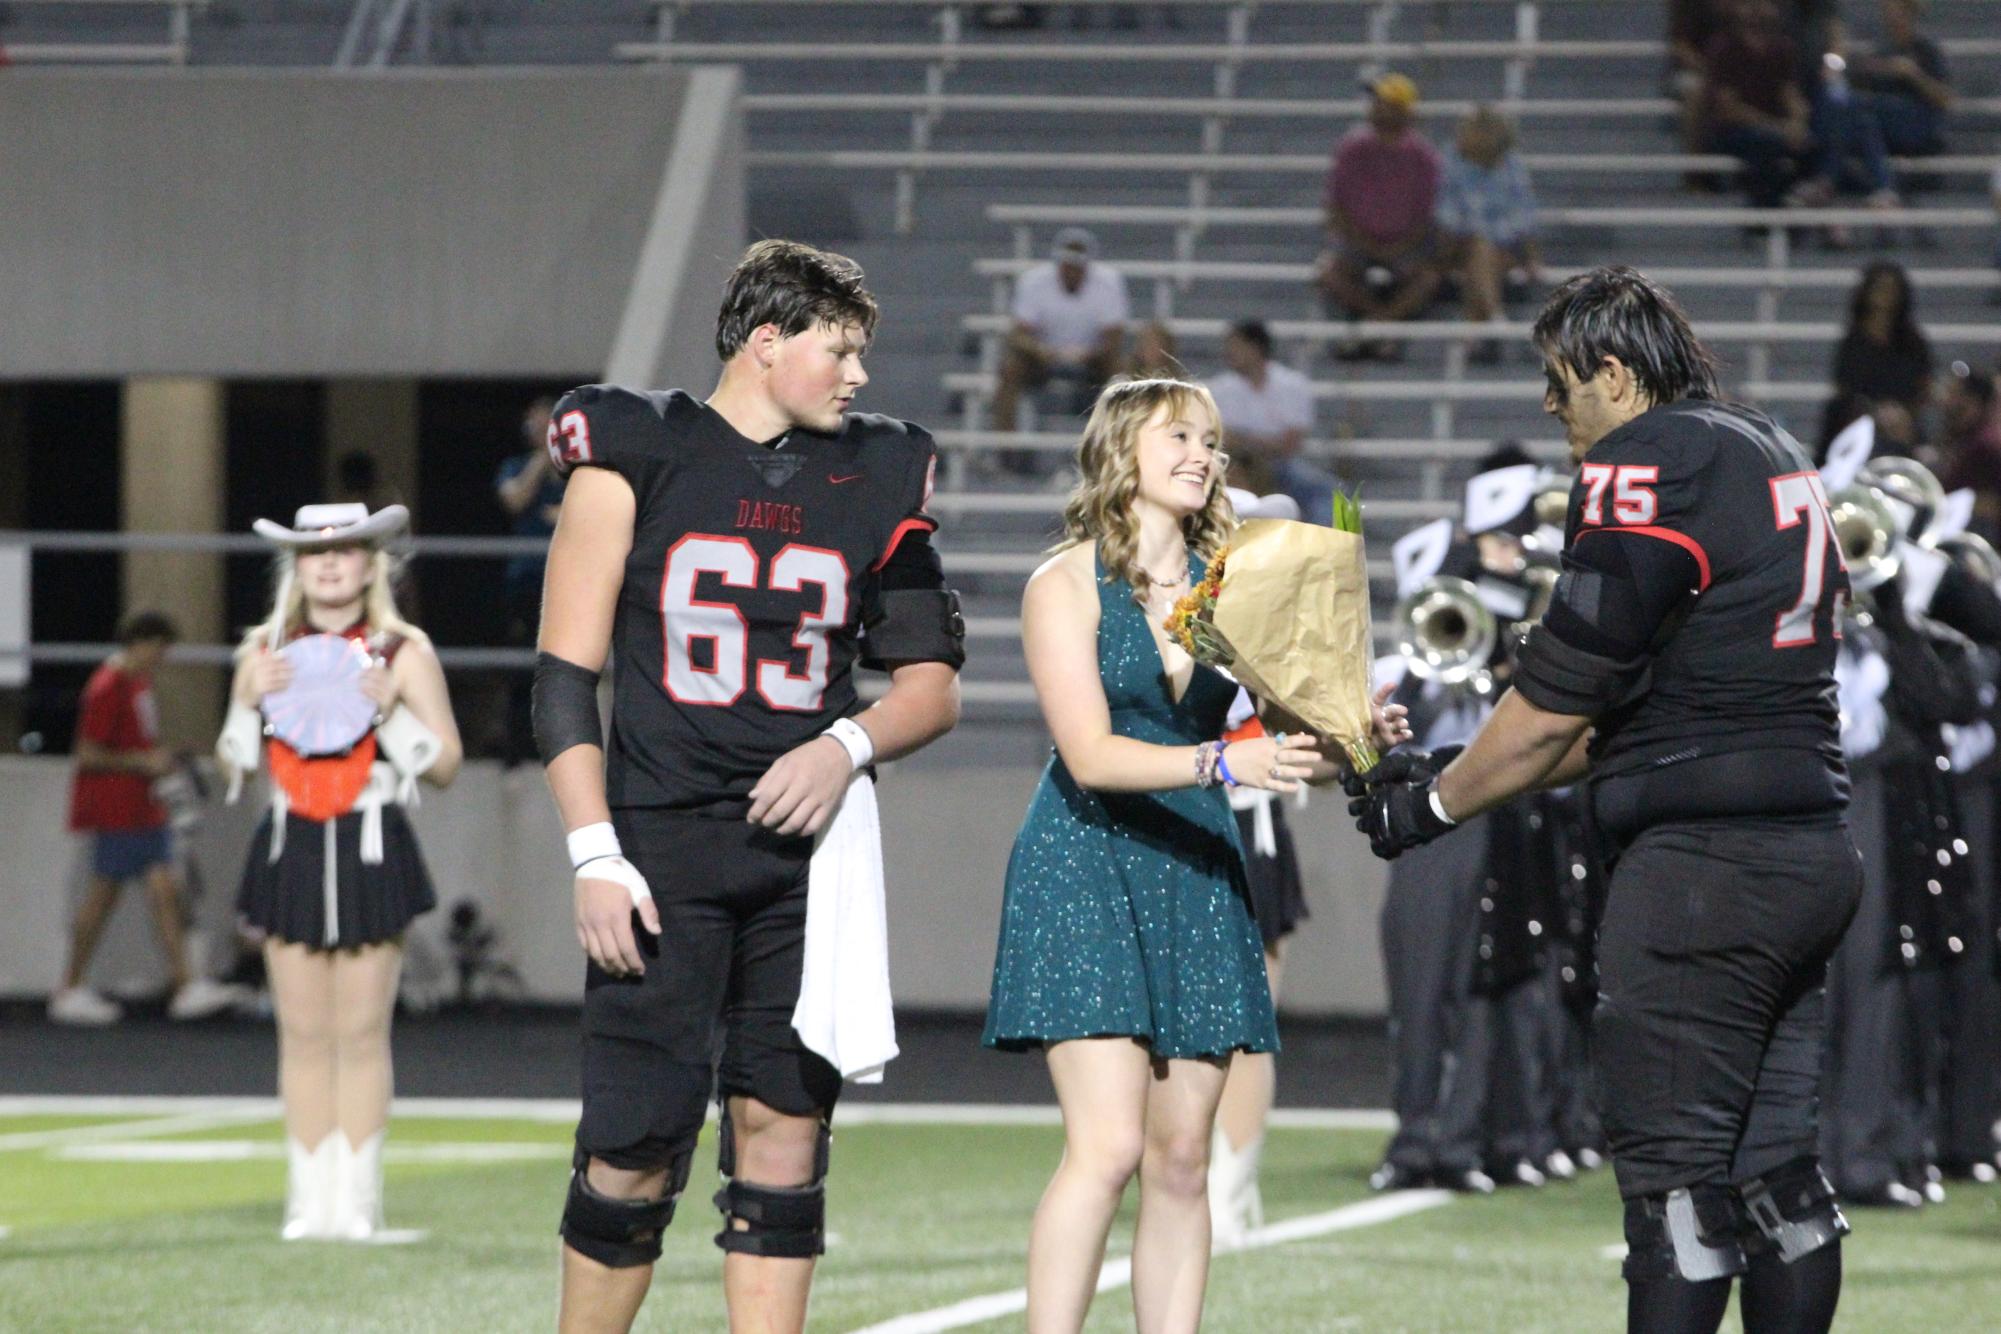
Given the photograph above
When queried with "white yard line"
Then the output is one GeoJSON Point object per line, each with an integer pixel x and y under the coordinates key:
{"type": "Point", "coordinates": [115, 1130]}
{"type": "Point", "coordinates": [1117, 1273]}
{"type": "Point", "coordinates": [561, 1110]}
{"type": "Point", "coordinates": [246, 1150]}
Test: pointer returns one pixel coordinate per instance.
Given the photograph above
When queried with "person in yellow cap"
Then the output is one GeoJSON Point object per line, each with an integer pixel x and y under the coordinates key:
{"type": "Point", "coordinates": [1382, 188]}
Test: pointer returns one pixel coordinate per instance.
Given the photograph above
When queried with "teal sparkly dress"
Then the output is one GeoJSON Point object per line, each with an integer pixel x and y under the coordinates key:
{"type": "Point", "coordinates": [1128, 912]}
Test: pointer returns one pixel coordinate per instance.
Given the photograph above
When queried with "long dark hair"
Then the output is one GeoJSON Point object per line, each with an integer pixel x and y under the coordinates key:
{"type": "Point", "coordinates": [1617, 311]}
{"type": "Point", "coordinates": [1904, 331]}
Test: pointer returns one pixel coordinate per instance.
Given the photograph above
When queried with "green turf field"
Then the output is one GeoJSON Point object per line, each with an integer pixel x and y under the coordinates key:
{"type": "Point", "coordinates": [139, 1222]}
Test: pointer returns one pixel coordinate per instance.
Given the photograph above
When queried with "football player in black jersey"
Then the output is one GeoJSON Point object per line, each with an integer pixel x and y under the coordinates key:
{"type": "Point", "coordinates": [1686, 664]}
{"type": "Point", "coordinates": [735, 559]}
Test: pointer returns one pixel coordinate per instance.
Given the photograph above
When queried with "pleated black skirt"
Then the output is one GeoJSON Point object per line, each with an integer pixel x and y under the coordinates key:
{"type": "Point", "coordinates": [287, 898]}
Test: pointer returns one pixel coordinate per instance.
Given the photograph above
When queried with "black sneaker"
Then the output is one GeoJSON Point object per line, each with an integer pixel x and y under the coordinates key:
{"type": "Point", "coordinates": [1464, 1181]}
{"type": "Point", "coordinates": [1888, 1195]}
{"type": "Point", "coordinates": [1390, 1177]}
{"type": "Point", "coordinates": [1521, 1172]}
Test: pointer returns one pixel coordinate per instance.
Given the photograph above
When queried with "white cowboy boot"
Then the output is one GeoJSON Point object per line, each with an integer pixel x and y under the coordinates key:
{"type": "Point", "coordinates": [1235, 1207]}
{"type": "Point", "coordinates": [308, 1189]}
{"type": "Point", "coordinates": [357, 1193]}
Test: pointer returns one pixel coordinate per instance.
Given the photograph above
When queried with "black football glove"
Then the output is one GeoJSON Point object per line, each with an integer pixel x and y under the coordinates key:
{"type": "Point", "coordinates": [1400, 766]}
{"type": "Point", "coordinates": [1398, 817]}
{"type": "Point", "coordinates": [1394, 809]}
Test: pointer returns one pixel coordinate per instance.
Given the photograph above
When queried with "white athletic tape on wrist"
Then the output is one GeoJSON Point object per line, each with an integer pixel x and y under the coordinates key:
{"type": "Point", "coordinates": [591, 841]}
{"type": "Point", "coordinates": [854, 739]}
{"type": "Point", "coordinates": [1438, 808]}
{"type": "Point", "coordinates": [620, 872]}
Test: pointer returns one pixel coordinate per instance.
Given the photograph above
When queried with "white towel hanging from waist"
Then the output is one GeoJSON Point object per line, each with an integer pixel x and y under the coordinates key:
{"type": "Point", "coordinates": [844, 1012]}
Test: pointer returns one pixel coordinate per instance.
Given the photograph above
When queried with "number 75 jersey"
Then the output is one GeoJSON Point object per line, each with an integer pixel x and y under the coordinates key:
{"type": "Point", "coordinates": [753, 569]}
{"type": "Point", "coordinates": [1747, 661]}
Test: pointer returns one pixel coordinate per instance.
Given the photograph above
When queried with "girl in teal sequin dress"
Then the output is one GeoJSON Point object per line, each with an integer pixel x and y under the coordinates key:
{"type": "Point", "coordinates": [1127, 946]}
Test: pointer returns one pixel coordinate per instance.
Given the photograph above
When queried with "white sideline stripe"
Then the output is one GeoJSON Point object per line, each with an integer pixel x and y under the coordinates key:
{"type": "Point", "coordinates": [1117, 1273]}
{"type": "Point", "coordinates": [165, 1125]}
{"type": "Point", "coordinates": [555, 1111]}
{"type": "Point", "coordinates": [245, 1150]}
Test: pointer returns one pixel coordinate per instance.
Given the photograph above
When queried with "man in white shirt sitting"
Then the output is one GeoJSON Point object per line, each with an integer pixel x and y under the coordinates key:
{"type": "Point", "coordinates": [1267, 411]}
{"type": "Point", "coordinates": [1069, 320]}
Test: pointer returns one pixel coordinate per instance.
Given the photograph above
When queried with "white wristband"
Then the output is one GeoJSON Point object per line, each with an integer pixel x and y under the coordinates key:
{"type": "Point", "coordinates": [592, 841]}
{"type": "Point", "coordinates": [1438, 808]}
{"type": "Point", "coordinates": [854, 738]}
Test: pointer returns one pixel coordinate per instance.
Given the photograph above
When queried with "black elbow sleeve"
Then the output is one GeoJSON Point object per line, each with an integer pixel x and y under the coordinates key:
{"type": "Point", "coordinates": [1561, 678]}
{"type": "Point", "coordinates": [563, 706]}
{"type": "Point", "coordinates": [915, 625]}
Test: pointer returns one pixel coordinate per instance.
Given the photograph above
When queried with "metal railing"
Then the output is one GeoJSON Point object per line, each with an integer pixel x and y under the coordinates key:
{"type": "Point", "coordinates": [173, 51]}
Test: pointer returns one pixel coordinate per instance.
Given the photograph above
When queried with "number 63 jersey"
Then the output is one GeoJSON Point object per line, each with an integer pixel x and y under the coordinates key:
{"type": "Point", "coordinates": [754, 567]}
{"type": "Point", "coordinates": [1700, 607]}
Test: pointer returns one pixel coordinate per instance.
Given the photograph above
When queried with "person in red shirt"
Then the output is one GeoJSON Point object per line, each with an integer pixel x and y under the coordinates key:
{"type": "Point", "coordinates": [118, 755]}
{"type": "Point", "coordinates": [1382, 188]}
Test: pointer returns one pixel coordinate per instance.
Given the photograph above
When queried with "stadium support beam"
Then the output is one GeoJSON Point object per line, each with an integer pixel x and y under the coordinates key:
{"type": "Point", "coordinates": [664, 332]}
{"type": "Point", "coordinates": [172, 481]}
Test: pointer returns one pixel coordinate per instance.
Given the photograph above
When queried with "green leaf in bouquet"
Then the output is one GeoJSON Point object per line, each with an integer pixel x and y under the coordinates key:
{"type": "Point", "coordinates": [1347, 514]}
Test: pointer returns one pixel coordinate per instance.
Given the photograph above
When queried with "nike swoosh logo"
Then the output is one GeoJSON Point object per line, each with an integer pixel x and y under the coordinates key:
{"type": "Point", "coordinates": [851, 477]}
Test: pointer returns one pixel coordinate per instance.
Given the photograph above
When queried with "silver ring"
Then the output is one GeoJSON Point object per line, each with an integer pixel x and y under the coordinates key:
{"type": "Point", "coordinates": [1274, 772]}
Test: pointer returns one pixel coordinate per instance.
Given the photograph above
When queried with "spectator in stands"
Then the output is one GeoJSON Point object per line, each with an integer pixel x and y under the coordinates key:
{"type": "Point", "coordinates": [1382, 193]}
{"type": "Point", "coordinates": [1069, 323]}
{"type": "Point", "coordinates": [1267, 412]}
{"type": "Point", "coordinates": [1753, 103]}
{"type": "Point", "coordinates": [1906, 82]}
{"type": "Point", "coordinates": [1156, 355]}
{"type": "Point", "coordinates": [1849, 154]}
{"type": "Point", "coordinates": [1884, 357]}
{"type": "Point", "coordinates": [1971, 443]}
{"type": "Point", "coordinates": [532, 495]}
{"type": "Point", "coordinates": [118, 756]}
{"type": "Point", "coordinates": [1486, 214]}
{"type": "Point", "coordinates": [1692, 24]}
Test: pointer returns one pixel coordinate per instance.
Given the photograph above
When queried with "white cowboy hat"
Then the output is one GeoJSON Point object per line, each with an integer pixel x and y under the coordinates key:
{"type": "Point", "coordinates": [335, 525]}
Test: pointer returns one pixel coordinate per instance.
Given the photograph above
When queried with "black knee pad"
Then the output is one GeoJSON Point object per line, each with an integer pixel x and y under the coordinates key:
{"type": "Point", "coordinates": [620, 1234]}
{"type": "Point", "coordinates": [780, 1221]}
{"type": "Point", "coordinates": [1794, 1209]}
{"type": "Point", "coordinates": [1693, 1234]}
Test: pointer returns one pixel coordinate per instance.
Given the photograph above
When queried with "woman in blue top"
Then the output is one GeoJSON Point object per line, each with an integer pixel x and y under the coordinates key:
{"type": "Point", "coordinates": [1127, 946]}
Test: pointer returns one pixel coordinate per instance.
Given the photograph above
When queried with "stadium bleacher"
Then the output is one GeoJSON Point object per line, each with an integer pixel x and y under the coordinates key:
{"type": "Point", "coordinates": [1193, 135]}
{"type": "Point", "coordinates": [1194, 142]}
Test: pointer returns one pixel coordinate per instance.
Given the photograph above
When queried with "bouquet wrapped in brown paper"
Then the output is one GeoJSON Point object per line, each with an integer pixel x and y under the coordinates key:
{"type": "Point", "coordinates": [1285, 610]}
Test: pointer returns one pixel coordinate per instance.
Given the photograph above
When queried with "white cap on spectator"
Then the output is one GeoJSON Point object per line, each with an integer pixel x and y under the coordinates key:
{"type": "Point", "coordinates": [1074, 243]}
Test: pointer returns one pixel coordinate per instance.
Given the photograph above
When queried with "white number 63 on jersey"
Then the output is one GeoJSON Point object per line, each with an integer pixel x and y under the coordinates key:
{"type": "Point", "coordinates": [684, 619]}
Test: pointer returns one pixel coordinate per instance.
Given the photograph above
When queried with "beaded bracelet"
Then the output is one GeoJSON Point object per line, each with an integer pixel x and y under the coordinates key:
{"type": "Point", "coordinates": [1208, 760]}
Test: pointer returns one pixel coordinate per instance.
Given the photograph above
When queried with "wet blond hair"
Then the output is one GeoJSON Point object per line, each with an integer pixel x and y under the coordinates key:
{"type": "Point", "coordinates": [1101, 508]}
{"type": "Point", "coordinates": [378, 603]}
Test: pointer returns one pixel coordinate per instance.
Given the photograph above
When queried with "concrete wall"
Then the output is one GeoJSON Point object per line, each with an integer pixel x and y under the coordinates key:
{"type": "Point", "coordinates": [304, 222]}
{"type": "Point", "coordinates": [949, 819]}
